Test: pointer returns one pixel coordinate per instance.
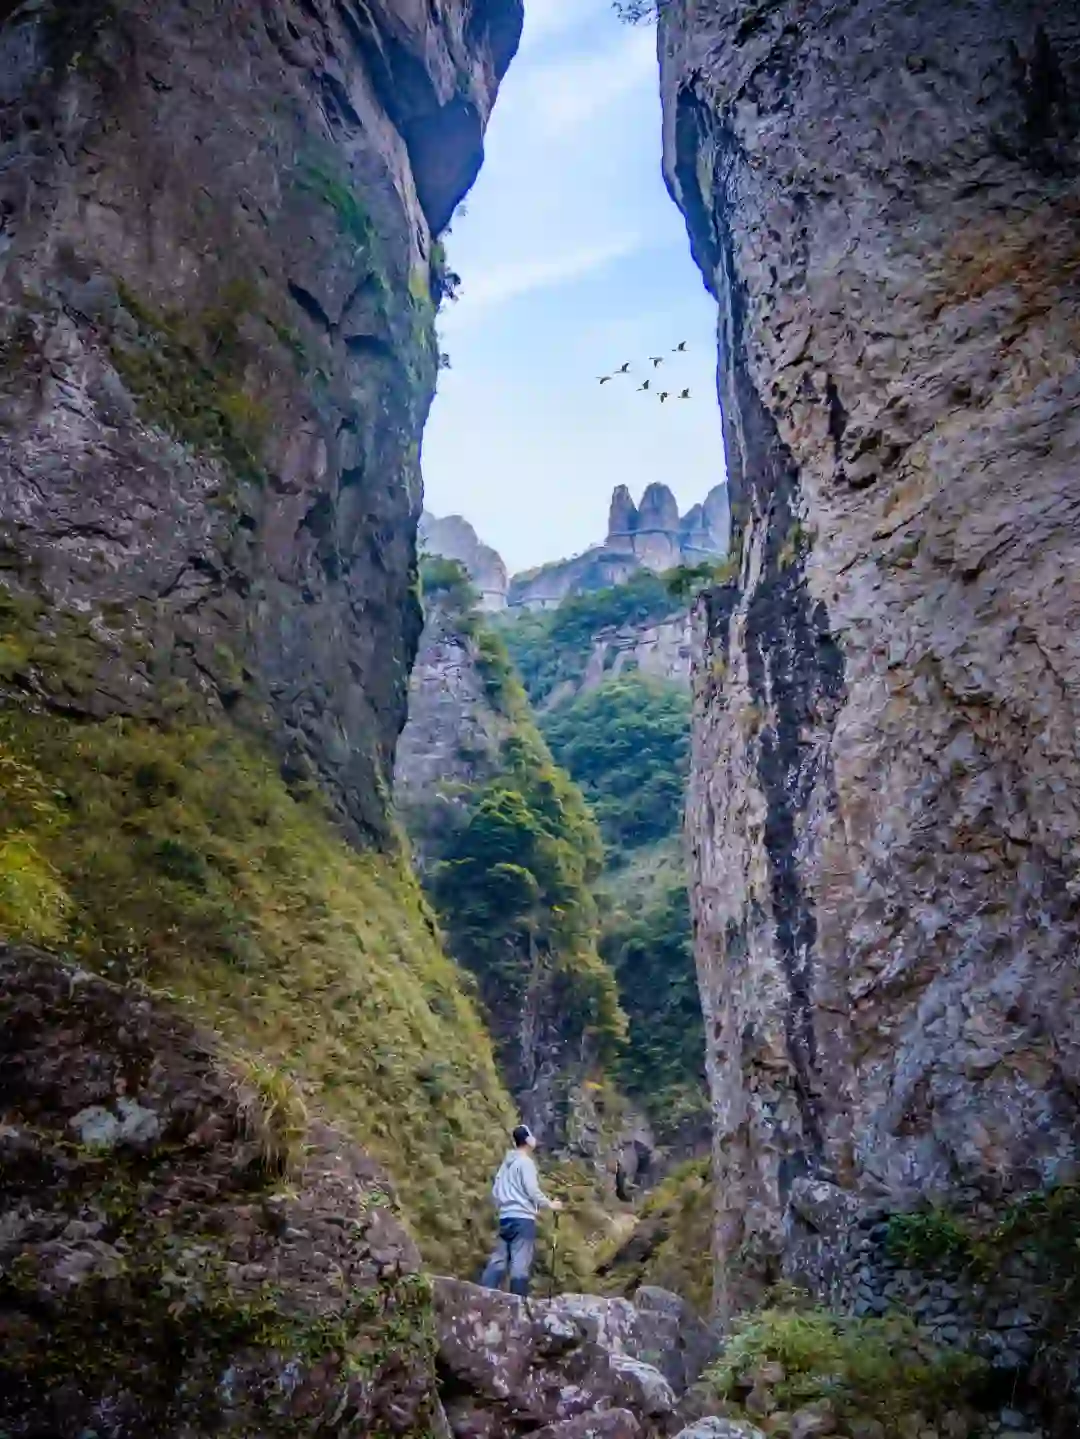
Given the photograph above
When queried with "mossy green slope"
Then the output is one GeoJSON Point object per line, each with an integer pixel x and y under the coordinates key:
{"type": "Point", "coordinates": [176, 855]}
{"type": "Point", "coordinates": [671, 1241]}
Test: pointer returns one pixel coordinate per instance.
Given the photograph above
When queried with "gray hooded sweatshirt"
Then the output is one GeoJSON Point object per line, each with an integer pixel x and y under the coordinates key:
{"type": "Point", "coordinates": [516, 1190]}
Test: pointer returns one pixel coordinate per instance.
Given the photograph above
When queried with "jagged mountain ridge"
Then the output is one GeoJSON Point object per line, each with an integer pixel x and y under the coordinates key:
{"type": "Point", "coordinates": [651, 535]}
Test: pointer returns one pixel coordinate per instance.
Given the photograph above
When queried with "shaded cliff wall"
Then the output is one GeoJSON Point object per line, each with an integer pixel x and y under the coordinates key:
{"type": "Point", "coordinates": [884, 806]}
{"type": "Point", "coordinates": [218, 280]}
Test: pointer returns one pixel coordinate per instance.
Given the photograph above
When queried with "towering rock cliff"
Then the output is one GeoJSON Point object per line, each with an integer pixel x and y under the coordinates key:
{"type": "Point", "coordinates": [218, 279]}
{"type": "Point", "coordinates": [884, 806]}
{"type": "Point", "coordinates": [455, 539]}
{"type": "Point", "coordinates": [218, 275]}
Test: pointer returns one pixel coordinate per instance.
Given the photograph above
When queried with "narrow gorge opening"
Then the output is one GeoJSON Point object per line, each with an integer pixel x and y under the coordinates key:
{"type": "Point", "coordinates": [577, 377]}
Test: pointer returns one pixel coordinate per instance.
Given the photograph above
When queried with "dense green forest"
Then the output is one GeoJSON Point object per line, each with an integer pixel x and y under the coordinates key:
{"type": "Point", "coordinates": [626, 744]}
{"type": "Point", "coordinates": [515, 887]}
{"type": "Point", "coordinates": [550, 646]}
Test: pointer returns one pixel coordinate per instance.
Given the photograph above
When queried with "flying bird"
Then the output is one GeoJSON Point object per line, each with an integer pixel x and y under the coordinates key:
{"type": "Point", "coordinates": [604, 379]}
{"type": "Point", "coordinates": [645, 386]}
{"type": "Point", "coordinates": [679, 347]}
{"type": "Point", "coordinates": [684, 394]}
{"type": "Point", "coordinates": [623, 369]}
{"type": "Point", "coordinates": [656, 360]}
{"type": "Point", "coordinates": [663, 395]}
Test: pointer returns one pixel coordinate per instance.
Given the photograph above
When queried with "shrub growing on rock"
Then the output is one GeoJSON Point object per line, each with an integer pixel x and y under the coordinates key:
{"type": "Point", "coordinates": [864, 1371]}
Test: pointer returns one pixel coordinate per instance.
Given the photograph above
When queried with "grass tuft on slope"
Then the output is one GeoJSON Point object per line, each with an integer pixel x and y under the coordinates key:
{"type": "Point", "coordinates": [178, 857]}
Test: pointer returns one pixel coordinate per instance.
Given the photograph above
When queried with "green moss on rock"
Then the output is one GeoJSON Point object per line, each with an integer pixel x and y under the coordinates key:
{"type": "Point", "coordinates": [881, 1372]}
{"type": "Point", "coordinates": [154, 1267]}
{"type": "Point", "coordinates": [188, 375]}
{"type": "Point", "coordinates": [671, 1243]}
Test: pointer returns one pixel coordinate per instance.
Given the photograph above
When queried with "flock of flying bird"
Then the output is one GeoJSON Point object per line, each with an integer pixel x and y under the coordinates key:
{"type": "Point", "coordinates": [656, 361]}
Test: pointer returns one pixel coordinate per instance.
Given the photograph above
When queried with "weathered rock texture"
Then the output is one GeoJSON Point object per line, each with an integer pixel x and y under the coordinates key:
{"type": "Point", "coordinates": [455, 539]}
{"type": "Point", "coordinates": [454, 736]}
{"type": "Point", "coordinates": [218, 277]}
{"type": "Point", "coordinates": [885, 809]}
{"type": "Point", "coordinates": [659, 650]}
{"type": "Point", "coordinates": [650, 536]}
{"type": "Point", "coordinates": [509, 1367]}
{"type": "Point", "coordinates": [180, 1252]}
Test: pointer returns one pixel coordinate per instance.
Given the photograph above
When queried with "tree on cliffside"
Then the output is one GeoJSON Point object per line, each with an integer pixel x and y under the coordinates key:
{"type": "Point", "coordinates": [515, 893]}
{"type": "Point", "coordinates": [627, 744]}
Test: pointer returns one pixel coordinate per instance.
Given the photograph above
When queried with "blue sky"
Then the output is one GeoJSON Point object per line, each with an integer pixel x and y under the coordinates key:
{"type": "Point", "coordinates": [573, 259]}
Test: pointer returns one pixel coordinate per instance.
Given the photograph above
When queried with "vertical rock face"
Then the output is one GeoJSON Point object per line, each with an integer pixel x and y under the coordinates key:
{"type": "Point", "coordinates": [885, 808]}
{"type": "Point", "coordinates": [453, 740]}
{"type": "Point", "coordinates": [218, 277]}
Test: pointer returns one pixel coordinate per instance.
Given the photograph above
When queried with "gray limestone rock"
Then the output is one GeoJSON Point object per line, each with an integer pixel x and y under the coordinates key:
{"type": "Point", "coordinates": [218, 281]}
{"type": "Point", "coordinates": [884, 812]}
{"type": "Point", "coordinates": [455, 539]}
{"type": "Point", "coordinates": [515, 1366]}
{"type": "Point", "coordinates": [650, 536]}
{"type": "Point", "coordinates": [714, 1428]}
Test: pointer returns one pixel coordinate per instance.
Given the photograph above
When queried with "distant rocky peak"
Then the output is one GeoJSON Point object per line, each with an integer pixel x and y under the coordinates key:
{"type": "Point", "coordinates": [658, 510]}
{"type": "Point", "coordinates": [704, 525]}
{"type": "Point", "coordinates": [651, 535]}
{"type": "Point", "coordinates": [454, 538]}
{"type": "Point", "coordinates": [622, 515]}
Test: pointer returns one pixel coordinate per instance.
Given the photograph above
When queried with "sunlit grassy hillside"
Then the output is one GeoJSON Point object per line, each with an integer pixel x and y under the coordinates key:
{"type": "Point", "coordinates": [178, 857]}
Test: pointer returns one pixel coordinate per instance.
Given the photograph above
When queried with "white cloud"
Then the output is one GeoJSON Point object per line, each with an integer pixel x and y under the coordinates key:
{"type": "Point", "coordinates": [523, 277]}
{"type": "Point", "coordinates": [563, 96]}
{"type": "Point", "coordinates": [545, 18]}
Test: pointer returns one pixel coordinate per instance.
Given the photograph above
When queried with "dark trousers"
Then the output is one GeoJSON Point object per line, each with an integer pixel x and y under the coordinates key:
{"type": "Point", "coordinates": [514, 1252]}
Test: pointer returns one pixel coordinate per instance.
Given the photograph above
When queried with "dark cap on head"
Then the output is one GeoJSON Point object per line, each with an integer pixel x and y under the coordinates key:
{"type": "Point", "coordinates": [522, 1134]}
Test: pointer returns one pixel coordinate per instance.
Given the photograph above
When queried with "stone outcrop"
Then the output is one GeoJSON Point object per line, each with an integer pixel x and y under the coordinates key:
{"type": "Point", "coordinates": [455, 539]}
{"type": "Point", "coordinates": [218, 279]}
{"type": "Point", "coordinates": [660, 650]}
{"type": "Point", "coordinates": [1009, 1304]}
{"type": "Point", "coordinates": [884, 807]}
{"type": "Point", "coordinates": [651, 535]}
{"type": "Point", "coordinates": [181, 1251]}
{"type": "Point", "coordinates": [454, 736]}
{"type": "Point", "coordinates": [572, 1363]}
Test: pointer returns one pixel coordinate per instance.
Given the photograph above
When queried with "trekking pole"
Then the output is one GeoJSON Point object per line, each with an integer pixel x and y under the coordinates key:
{"type": "Point", "coordinates": [554, 1255]}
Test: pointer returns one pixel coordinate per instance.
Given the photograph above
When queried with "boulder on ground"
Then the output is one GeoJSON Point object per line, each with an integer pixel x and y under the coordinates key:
{"type": "Point", "coordinates": [510, 1366]}
{"type": "Point", "coordinates": [611, 1424]}
{"type": "Point", "coordinates": [713, 1428]}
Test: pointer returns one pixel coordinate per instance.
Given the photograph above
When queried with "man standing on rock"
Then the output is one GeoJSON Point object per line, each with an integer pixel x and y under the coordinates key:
{"type": "Point", "coordinates": [519, 1198]}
